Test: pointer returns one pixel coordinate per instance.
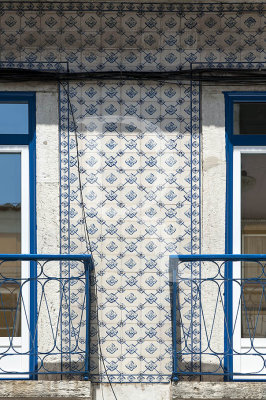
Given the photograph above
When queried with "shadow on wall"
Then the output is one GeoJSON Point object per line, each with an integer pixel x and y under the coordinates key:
{"type": "Point", "coordinates": [191, 359]}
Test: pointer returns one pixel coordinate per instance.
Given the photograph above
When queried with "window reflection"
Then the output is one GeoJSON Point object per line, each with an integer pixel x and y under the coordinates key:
{"type": "Point", "coordinates": [10, 243]}
{"type": "Point", "coordinates": [250, 118]}
{"type": "Point", "coordinates": [14, 119]}
{"type": "Point", "coordinates": [253, 221]}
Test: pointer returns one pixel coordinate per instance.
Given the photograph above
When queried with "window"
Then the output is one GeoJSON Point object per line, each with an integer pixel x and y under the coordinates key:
{"type": "Point", "coordinates": [249, 118]}
{"type": "Point", "coordinates": [246, 225]}
{"type": "Point", "coordinates": [17, 227]}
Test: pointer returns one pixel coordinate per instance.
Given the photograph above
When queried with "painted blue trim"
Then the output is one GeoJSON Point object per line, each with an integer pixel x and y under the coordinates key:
{"type": "Point", "coordinates": [33, 234]}
{"type": "Point", "coordinates": [69, 204]}
{"type": "Point", "coordinates": [191, 210]}
{"type": "Point", "coordinates": [30, 140]}
{"type": "Point", "coordinates": [44, 257]}
{"type": "Point", "coordinates": [242, 97]}
{"type": "Point", "coordinates": [27, 97]}
{"type": "Point", "coordinates": [174, 323]}
{"type": "Point", "coordinates": [87, 266]}
{"type": "Point", "coordinates": [245, 96]}
{"type": "Point", "coordinates": [200, 299]}
{"type": "Point", "coordinates": [217, 257]}
{"type": "Point", "coordinates": [60, 204]}
{"type": "Point", "coordinates": [228, 294]}
{"type": "Point", "coordinates": [15, 140]}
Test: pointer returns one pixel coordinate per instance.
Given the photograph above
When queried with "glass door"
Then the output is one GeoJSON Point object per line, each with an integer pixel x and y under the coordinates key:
{"type": "Point", "coordinates": [249, 278]}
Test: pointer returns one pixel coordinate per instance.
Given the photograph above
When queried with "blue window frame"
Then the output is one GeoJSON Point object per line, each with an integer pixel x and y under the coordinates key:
{"type": "Point", "coordinates": [22, 131]}
{"type": "Point", "coordinates": [232, 139]}
{"type": "Point", "coordinates": [232, 98]}
{"type": "Point", "coordinates": [29, 138]}
{"type": "Point", "coordinates": [27, 135]}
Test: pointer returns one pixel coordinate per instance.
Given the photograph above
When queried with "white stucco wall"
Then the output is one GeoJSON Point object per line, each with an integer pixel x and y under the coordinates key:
{"type": "Point", "coordinates": [213, 170]}
{"type": "Point", "coordinates": [213, 220]}
{"type": "Point", "coordinates": [47, 199]}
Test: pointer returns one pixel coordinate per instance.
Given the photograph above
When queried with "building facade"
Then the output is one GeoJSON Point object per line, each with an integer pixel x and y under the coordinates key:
{"type": "Point", "coordinates": [132, 132]}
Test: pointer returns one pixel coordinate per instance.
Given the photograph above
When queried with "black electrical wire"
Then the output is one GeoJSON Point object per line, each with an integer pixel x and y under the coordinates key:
{"type": "Point", "coordinates": [86, 230]}
{"type": "Point", "coordinates": [206, 76]}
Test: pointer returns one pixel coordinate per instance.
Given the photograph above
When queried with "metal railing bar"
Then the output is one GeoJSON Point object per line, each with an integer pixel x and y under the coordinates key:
{"type": "Point", "coordinates": [46, 257]}
{"type": "Point", "coordinates": [214, 319]}
{"type": "Point", "coordinates": [75, 356]}
{"type": "Point", "coordinates": [217, 257]}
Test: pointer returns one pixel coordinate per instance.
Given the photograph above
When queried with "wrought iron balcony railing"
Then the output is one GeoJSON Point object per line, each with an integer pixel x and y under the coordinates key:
{"type": "Point", "coordinates": [44, 315]}
{"type": "Point", "coordinates": [219, 316]}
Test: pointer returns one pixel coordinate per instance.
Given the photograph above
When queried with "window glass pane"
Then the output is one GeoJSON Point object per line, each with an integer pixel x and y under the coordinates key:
{"type": "Point", "coordinates": [14, 119]}
{"type": "Point", "coordinates": [253, 226]}
{"type": "Point", "coordinates": [10, 243]}
{"type": "Point", "coordinates": [250, 118]}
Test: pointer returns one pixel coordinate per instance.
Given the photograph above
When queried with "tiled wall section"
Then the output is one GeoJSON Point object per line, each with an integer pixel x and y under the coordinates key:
{"type": "Point", "coordinates": [135, 158]}
{"type": "Point", "coordinates": [126, 36]}
{"type": "Point", "coordinates": [139, 154]}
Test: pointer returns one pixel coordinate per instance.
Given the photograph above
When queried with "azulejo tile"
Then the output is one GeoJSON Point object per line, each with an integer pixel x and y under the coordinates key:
{"type": "Point", "coordinates": [130, 109]}
{"type": "Point", "coordinates": [131, 314]}
{"type": "Point", "coordinates": [131, 263]}
{"type": "Point", "coordinates": [131, 332]}
{"type": "Point", "coordinates": [131, 281]}
{"type": "Point", "coordinates": [170, 23]}
{"type": "Point", "coordinates": [170, 59]}
{"type": "Point", "coordinates": [131, 59]}
{"type": "Point", "coordinates": [149, 23]}
{"type": "Point", "coordinates": [110, 314]}
{"type": "Point", "coordinates": [130, 161]}
{"type": "Point", "coordinates": [131, 349]}
{"type": "Point", "coordinates": [151, 350]}
{"type": "Point", "coordinates": [131, 230]}
{"type": "Point", "coordinates": [131, 365]}
{"type": "Point", "coordinates": [111, 349]}
{"type": "Point", "coordinates": [131, 21]}
{"type": "Point", "coordinates": [110, 281]}
{"type": "Point", "coordinates": [150, 125]}
{"type": "Point", "coordinates": [113, 366]}
{"type": "Point", "coordinates": [90, 21]}
{"type": "Point", "coordinates": [149, 57]}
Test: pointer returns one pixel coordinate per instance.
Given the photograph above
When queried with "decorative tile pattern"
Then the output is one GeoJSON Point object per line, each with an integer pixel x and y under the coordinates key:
{"type": "Point", "coordinates": [139, 149]}
{"type": "Point", "coordinates": [136, 178]}
{"type": "Point", "coordinates": [113, 36]}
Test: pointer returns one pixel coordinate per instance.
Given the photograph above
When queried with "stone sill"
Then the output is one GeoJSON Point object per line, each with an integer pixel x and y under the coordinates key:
{"type": "Point", "coordinates": [220, 390]}
{"type": "Point", "coordinates": [179, 391]}
{"type": "Point", "coordinates": [45, 389]}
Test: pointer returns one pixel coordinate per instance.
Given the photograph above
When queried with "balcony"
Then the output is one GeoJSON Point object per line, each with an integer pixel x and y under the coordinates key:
{"type": "Point", "coordinates": [44, 316]}
{"type": "Point", "coordinates": [218, 305]}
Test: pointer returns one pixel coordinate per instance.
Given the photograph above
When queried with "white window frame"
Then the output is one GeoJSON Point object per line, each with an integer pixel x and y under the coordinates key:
{"type": "Point", "coordinates": [20, 345]}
